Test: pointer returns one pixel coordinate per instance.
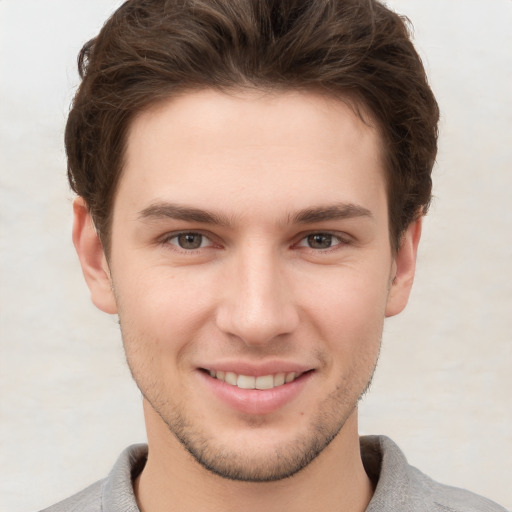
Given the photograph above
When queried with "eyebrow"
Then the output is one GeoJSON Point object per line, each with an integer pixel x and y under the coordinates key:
{"type": "Point", "coordinates": [330, 212]}
{"type": "Point", "coordinates": [306, 216]}
{"type": "Point", "coordinates": [184, 213]}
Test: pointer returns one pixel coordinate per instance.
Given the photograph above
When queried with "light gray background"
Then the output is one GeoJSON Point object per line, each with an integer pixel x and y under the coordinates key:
{"type": "Point", "coordinates": [442, 391]}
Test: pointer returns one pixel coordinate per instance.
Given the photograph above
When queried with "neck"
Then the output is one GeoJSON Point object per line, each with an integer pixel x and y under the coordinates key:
{"type": "Point", "coordinates": [172, 479]}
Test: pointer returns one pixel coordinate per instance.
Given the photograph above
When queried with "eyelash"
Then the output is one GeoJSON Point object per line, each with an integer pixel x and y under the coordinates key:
{"type": "Point", "coordinates": [167, 240]}
{"type": "Point", "coordinates": [342, 240]}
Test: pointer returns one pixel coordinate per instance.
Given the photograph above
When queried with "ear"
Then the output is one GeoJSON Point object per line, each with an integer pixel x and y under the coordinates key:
{"type": "Point", "coordinates": [403, 269]}
{"type": "Point", "coordinates": [92, 258]}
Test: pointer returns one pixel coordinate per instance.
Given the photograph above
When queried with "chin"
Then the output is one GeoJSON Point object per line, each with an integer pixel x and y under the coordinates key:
{"type": "Point", "coordinates": [260, 465]}
{"type": "Point", "coordinates": [261, 454]}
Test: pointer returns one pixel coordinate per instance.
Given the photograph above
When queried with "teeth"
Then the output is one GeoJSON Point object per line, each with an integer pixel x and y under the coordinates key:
{"type": "Point", "coordinates": [289, 377]}
{"type": "Point", "coordinates": [279, 379]}
{"type": "Point", "coordinates": [264, 382]}
{"type": "Point", "coordinates": [230, 378]}
{"type": "Point", "coordinates": [246, 382]}
{"type": "Point", "coordinates": [250, 382]}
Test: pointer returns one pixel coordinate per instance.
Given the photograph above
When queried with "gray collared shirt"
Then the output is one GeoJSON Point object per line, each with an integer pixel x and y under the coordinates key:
{"type": "Point", "coordinates": [400, 487]}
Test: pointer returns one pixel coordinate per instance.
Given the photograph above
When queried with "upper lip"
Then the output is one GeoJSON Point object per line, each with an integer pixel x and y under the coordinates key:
{"type": "Point", "coordinates": [256, 370]}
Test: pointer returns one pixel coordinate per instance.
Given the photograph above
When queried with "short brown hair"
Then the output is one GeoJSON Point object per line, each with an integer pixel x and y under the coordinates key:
{"type": "Point", "coordinates": [151, 49]}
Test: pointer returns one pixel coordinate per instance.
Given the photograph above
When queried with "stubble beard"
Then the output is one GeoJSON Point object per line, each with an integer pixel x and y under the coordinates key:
{"type": "Point", "coordinates": [285, 460]}
{"type": "Point", "coordinates": [282, 462]}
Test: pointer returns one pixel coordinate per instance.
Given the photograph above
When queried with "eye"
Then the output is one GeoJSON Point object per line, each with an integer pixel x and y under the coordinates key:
{"type": "Point", "coordinates": [320, 241]}
{"type": "Point", "coordinates": [189, 241]}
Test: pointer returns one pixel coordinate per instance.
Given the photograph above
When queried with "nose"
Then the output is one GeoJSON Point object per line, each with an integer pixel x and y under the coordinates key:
{"type": "Point", "coordinates": [257, 300]}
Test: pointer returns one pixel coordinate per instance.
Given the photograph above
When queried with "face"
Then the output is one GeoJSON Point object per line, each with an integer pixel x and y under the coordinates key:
{"type": "Point", "coordinates": [251, 269]}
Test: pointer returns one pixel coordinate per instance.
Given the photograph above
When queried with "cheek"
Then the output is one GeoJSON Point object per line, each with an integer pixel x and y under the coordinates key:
{"type": "Point", "coordinates": [353, 298]}
{"type": "Point", "coordinates": [348, 313]}
{"type": "Point", "coordinates": [161, 307]}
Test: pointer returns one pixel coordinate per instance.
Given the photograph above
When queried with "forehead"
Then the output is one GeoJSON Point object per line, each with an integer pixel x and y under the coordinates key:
{"type": "Point", "coordinates": [266, 149]}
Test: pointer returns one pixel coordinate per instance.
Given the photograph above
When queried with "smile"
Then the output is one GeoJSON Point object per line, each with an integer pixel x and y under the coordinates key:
{"type": "Point", "coordinates": [251, 382]}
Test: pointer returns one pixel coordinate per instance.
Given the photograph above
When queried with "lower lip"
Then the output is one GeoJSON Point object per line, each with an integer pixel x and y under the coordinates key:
{"type": "Point", "coordinates": [256, 401]}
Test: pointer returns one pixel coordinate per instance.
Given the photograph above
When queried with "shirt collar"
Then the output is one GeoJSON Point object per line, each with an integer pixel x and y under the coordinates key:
{"type": "Point", "coordinates": [396, 489]}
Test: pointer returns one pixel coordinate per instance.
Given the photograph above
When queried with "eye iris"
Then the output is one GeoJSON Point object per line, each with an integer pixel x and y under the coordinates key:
{"type": "Point", "coordinates": [190, 240]}
{"type": "Point", "coordinates": [320, 241]}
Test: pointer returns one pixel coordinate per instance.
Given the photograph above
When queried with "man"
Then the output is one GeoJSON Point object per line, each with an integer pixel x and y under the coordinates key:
{"type": "Point", "coordinates": [251, 181]}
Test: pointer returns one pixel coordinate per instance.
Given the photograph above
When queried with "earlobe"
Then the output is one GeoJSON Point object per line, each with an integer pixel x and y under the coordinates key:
{"type": "Point", "coordinates": [404, 267]}
{"type": "Point", "coordinates": [92, 258]}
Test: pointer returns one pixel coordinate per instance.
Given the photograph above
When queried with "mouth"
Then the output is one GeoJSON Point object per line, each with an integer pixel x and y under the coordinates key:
{"type": "Point", "coordinates": [256, 389]}
{"type": "Point", "coordinates": [262, 382]}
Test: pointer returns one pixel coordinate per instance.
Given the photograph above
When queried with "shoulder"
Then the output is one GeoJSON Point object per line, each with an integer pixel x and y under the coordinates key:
{"type": "Point", "coordinates": [451, 499]}
{"type": "Point", "coordinates": [401, 487]}
{"type": "Point", "coordinates": [87, 500]}
{"type": "Point", "coordinates": [114, 493]}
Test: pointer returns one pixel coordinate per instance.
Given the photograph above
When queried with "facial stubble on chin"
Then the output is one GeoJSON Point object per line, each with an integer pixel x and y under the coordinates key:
{"type": "Point", "coordinates": [282, 462]}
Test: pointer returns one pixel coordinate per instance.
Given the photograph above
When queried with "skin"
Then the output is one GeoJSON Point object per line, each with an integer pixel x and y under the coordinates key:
{"type": "Point", "coordinates": [294, 269]}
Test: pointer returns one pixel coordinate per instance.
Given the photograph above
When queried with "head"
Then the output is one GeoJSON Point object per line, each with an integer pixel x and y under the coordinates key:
{"type": "Point", "coordinates": [357, 51]}
{"type": "Point", "coordinates": [251, 176]}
